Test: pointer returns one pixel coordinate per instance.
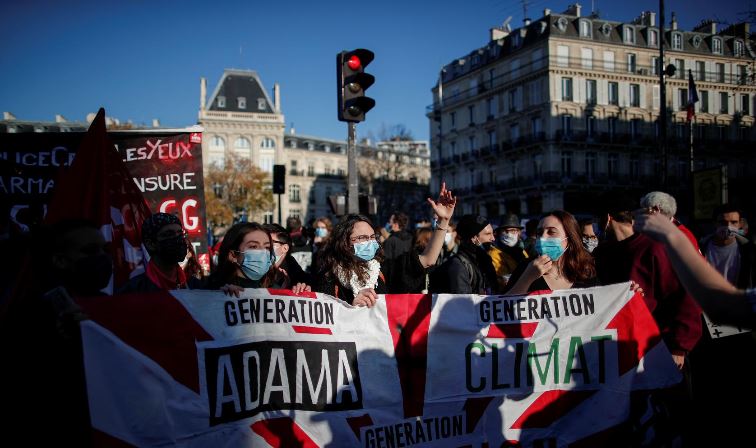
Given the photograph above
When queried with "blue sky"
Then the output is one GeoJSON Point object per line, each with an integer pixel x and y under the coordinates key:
{"type": "Point", "coordinates": [142, 59]}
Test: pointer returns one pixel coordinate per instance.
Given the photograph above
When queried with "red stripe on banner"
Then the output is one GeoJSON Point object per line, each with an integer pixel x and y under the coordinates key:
{"type": "Point", "coordinates": [637, 333]}
{"type": "Point", "coordinates": [549, 407]}
{"type": "Point", "coordinates": [522, 330]}
{"type": "Point", "coordinates": [310, 330]}
{"type": "Point", "coordinates": [155, 324]}
{"type": "Point", "coordinates": [408, 320]}
{"type": "Point", "coordinates": [283, 432]}
{"type": "Point", "coordinates": [356, 423]}
{"type": "Point", "coordinates": [290, 293]}
{"type": "Point", "coordinates": [474, 409]}
{"type": "Point", "coordinates": [104, 439]}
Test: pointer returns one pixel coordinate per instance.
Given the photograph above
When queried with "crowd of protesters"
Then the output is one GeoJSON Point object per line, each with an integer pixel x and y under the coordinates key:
{"type": "Point", "coordinates": [356, 261]}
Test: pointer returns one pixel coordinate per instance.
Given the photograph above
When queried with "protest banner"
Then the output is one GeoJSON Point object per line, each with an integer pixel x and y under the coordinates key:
{"type": "Point", "coordinates": [166, 165]}
{"type": "Point", "coordinates": [274, 369]}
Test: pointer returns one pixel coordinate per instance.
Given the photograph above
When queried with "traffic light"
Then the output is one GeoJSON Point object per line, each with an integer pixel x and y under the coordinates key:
{"type": "Point", "coordinates": [279, 179]}
{"type": "Point", "coordinates": [351, 83]}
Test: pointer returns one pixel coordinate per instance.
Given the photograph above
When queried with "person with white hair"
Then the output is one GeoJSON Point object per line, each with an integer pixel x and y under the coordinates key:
{"type": "Point", "coordinates": [665, 203]}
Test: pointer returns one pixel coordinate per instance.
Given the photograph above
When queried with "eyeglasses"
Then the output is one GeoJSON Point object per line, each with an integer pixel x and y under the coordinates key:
{"type": "Point", "coordinates": [363, 238]}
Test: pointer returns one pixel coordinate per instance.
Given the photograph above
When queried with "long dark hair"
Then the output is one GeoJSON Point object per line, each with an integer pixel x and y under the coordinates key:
{"type": "Point", "coordinates": [578, 263]}
{"type": "Point", "coordinates": [226, 270]}
{"type": "Point", "coordinates": [339, 254]}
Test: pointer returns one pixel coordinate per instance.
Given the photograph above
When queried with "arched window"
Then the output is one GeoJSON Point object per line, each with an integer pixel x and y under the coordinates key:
{"type": "Point", "coordinates": [294, 191]}
{"type": "Point", "coordinates": [217, 142]}
{"type": "Point", "coordinates": [268, 143]}
{"type": "Point", "coordinates": [241, 143]}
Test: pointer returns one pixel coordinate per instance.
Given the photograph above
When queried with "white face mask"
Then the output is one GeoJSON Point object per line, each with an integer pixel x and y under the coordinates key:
{"type": "Point", "coordinates": [509, 239]}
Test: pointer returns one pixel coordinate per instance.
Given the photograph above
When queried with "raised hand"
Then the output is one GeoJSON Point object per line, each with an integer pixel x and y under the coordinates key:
{"type": "Point", "coordinates": [444, 205]}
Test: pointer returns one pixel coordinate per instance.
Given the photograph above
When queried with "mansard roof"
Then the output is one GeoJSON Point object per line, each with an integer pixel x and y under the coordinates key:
{"type": "Point", "coordinates": [235, 84]}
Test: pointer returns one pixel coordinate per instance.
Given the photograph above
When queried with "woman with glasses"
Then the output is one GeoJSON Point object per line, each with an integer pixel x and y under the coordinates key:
{"type": "Point", "coordinates": [350, 262]}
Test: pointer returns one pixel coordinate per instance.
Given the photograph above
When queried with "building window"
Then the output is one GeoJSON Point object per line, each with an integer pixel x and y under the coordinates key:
{"type": "Point", "coordinates": [242, 143]}
{"type": "Point", "coordinates": [471, 143]}
{"type": "Point", "coordinates": [294, 193]}
{"type": "Point", "coordinates": [261, 104]}
{"type": "Point", "coordinates": [653, 38]}
{"type": "Point", "coordinates": [491, 107]}
{"type": "Point", "coordinates": [537, 125]}
{"type": "Point", "coordinates": [587, 58]}
{"type": "Point", "coordinates": [563, 55]}
{"type": "Point", "coordinates": [241, 102]}
{"type": "Point", "coordinates": [701, 70]}
{"type": "Point", "coordinates": [744, 109]}
{"type": "Point", "coordinates": [266, 163]}
{"type": "Point", "coordinates": [295, 213]}
{"type": "Point", "coordinates": [566, 163]}
{"type": "Point", "coordinates": [635, 128]}
{"type": "Point", "coordinates": [634, 95]}
{"type": "Point", "coordinates": [491, 139]}
{"type": "Point", "coordinates": [613, 93]}
{"type": "Point", "coordinates": [704, 101]}
{"type": "Point", "coordinates": [590, 92]}
{"type": "Point", "coordinates": [566, 89]}
{"type": "Point", "coordinates": [716, 45]}
{"type": "Point", "coordinates": [268, 143]}
{"type": "Point", "coordinates": [511, 96]}
{"type": "Point", "coordinates": [631, 63]}
{"type": "Point", "coordinates": [566, 124]}
{"type": "Point", "coordinates": [590, 126]}
{"type": "Point", "coordinates": [311, 170]}
{"type": "Point", "coordinates": [514, 132]}
{"type": "Point", "coordinates": [742, 75]}
{"type": "Point", "coordinates": [453, 119]}
{"type": "Point", "coordinates": [655, 66]}
{"type": "Point", "coordinates": [609, 61]}
{"type": "Point", "coordinates": [680, 65]}
{"type": "Point", "coordinates": [221, 101]}
{"type": "Point", "coordinates": [611, 127]}
{"type": "Point", "coordinates": [722, 133]}
{"type": "Point", "coordinates": [738, 48]}
{"type": "Point", "coordinates": [682, 99]}
{"type": "Point", "coordinates": [723, 103]}
{"type": "Point", "coordinates": [471, 113]}
{"type": "Point", "coordinates": [612, 165]}
{"type": "Point", "coordinates": [676, 41]}
{"type": "Point", "coordinates": [628, 35]}
{"type": "Point", "coordinates": [453, 146]}
{"type": "Point", "coordinates": [720, 72]}
{"type": "Point", "coordinates": [590, 164]}
{"type": "Point", "coordinates": [634, 166]}
{"type": "Point", "coordinates": [585, 28]}
{"type": "Point", "coordinates": [268, 217]}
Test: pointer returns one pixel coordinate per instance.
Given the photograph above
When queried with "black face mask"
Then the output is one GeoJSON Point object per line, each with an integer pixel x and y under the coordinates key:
{"type": "Point", "coordinates": [174, 249]}
{"type": "Point", "coordinates": [91, 274]}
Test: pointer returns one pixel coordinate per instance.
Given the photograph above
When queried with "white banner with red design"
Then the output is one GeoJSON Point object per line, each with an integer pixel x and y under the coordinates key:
{"type": "Point", "coordinates": [198, 368]}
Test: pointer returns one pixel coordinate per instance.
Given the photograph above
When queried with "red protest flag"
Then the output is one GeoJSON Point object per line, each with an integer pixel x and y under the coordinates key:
{"type": "Point", "coordinates": [98, 187]}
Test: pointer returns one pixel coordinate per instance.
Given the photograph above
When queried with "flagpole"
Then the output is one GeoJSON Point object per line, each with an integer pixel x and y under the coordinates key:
{"type": "Point", "coordinates": [691, 146]}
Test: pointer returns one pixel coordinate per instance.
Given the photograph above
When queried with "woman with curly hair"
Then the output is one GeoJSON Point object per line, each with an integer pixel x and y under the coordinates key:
{"type": "Point", "coordinates": [562, 261]}
{"type": "Point", "coordinates": [350, 261]}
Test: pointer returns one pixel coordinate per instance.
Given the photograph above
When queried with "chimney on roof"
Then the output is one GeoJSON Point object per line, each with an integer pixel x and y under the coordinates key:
{"type": "Point", "coordinates": [673, 22]}
{"type": "Point", "coordinates": [574, 10]}
{"type": "Point", "coordinates": [203, 93]}
{"type": "Point", "coordinates": [60, 118]}
{"type": "Point", "coordinates": [155, 123]}
{"type": "Point", "coordinates": [707, 26]}
{"type": "Point", "coordinates": [499, 32]}
{"type": "Point", "coordinates": [277, 97]}
{"type": "Point", "coordinates": [741, 30]}
{"type": "Point", "coordinates": [526, 20]}
{"type": "Point", "coordinates": [546, 12]}
{"type": "Point", "coordinates": [8, 116]}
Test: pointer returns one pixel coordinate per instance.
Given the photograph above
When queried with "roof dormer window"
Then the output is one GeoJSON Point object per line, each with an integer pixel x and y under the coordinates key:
{"type": "Point", "coordinates": [738, 48]}
{"type": "Point", "coordinates": [677, 41]}
{"type": "Point", "coordinates": [241, 102]}
{"type": "Point", "coordinates": [628, 35]}
{"type": "Point", "coordinates": [261, 104]}
{"type": "Point", "coordinates": [585, 28]}
{"type": "Point", "coordinates": [221, 101]}
{"type": "Point", "coordinates": [653, 38]}
{"type": "Point", "coordinates": [716, 45]}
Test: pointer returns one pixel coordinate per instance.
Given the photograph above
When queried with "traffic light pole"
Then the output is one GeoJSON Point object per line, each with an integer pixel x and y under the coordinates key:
{"type": "Point", "coordinates": [353, 203]}
{"type": "Point", "coordinates": [662, 98]}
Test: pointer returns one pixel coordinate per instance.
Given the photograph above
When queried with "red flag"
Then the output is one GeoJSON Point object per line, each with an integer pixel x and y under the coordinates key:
{"type": "Point", "coordinates": [98, 187]}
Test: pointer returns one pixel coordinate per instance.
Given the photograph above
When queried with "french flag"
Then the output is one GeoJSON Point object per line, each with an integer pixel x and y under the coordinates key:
{"type": "Point", "coordinates": [692, 97]}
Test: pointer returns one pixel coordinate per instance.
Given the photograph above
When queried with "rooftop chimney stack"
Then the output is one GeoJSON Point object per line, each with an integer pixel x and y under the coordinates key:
{"type": "Point", "coordinates": [546, 12]}
{"type": "Point", "coordinates": [203, 93]}
{"type": "Point", "coordinates": [673, 22]}
{"type": "Point", "coordinates": [60, 118]}
{"type": "Point", "coordinates": [277, 97]}
{"type": "Point", "coordinates": [155, 123]}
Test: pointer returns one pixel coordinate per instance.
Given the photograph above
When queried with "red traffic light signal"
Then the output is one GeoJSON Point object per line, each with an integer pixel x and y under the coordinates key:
{"type": "Point", "coordinates": [351, 83]}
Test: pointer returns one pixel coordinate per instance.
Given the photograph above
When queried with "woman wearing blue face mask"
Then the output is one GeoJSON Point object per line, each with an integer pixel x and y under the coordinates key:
{"type": "Point", "coordinates": [245, 258]}
{"type": "Point", "coordinates": [350, 262]}
{"type": "Point", "coordinates": [562, 261]}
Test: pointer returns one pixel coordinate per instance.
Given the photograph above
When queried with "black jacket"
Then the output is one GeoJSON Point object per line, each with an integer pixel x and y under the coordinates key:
{"type": "Point", "coordinates": [470, 271]}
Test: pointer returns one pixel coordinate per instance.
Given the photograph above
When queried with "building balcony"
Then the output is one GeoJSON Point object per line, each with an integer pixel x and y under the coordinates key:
{"type": "Point", "coordinates": [293, 172]}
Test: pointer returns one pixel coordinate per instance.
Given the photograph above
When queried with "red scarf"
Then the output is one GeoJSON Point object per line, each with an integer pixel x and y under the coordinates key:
{"type": "Point", "coordinates": [162, 280]}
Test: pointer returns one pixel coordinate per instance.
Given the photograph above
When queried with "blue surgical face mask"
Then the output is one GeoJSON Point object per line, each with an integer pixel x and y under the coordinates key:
{"type": "Point", "coordinates": [256, 263]}
{"type": "Point", "coordinates": [321, 232]}
{"type": "Point", "coordinates": [366, 250]}
{"type": "Point", "coordinates": [551, 247]}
